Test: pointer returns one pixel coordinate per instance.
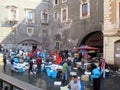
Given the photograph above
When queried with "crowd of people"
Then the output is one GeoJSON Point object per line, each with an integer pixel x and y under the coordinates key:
{"type": "Point", "coordinates": [67, 59]}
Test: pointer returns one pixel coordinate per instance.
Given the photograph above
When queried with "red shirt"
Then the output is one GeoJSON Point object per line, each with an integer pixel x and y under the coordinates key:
{"type": "Point", "coordinates": [39, 61]}
{"type": "Point", "coordinates": [31, 55]}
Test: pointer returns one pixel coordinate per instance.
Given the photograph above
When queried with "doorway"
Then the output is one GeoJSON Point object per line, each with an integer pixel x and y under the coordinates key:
{"type": "Point", "coordinates": [117, 53]}
{"type": "Point", "coordinates": [34, 47]}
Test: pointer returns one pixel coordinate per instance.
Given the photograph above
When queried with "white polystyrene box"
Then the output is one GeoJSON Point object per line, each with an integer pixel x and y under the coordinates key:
{"type": "Point", "coordinates": [57, 83]}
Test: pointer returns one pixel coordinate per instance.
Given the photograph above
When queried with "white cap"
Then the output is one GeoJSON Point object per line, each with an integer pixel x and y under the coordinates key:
{"type": "Point", "coordinates": [78, 77]}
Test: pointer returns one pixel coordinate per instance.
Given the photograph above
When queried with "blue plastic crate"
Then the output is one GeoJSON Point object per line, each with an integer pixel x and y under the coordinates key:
{"type": "Point", "coordinates": [49, 73]}
{"type": "Point", "coordinates": [27, 58]}
{"type": "Point", "coordinates": [16, 60]}
{"type": "Point", "coordinates": [47, 69]}
{"type": "Point", "coordinates": [54, 74]}
{"type": "Point", "coordinates": [20, 70]}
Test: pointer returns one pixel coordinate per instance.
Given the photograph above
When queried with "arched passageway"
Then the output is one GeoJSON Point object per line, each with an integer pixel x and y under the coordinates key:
{"type": "Point", "coordinates": [29, 45]}
{"type": "Point", "coordinates": [94, 39]}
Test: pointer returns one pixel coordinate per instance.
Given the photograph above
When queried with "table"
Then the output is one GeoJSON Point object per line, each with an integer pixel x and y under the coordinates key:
{"type": "Point", "coordinates": [19, 67]}
{"type": "Point", "coordinates": [86, 65]}
{"type": "Point", "coordinates": [87, 73]}
{"type": "Point", "coordinates": [73, 73]}
{"type": "Point", "coordinates": [54, 67]}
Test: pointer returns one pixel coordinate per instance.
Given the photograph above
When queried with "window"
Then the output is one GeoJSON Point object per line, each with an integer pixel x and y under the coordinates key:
{"type": "Point", "coordinates": [56, 2]}
{"type": "Point", "coordinates": [119, 15]}
{"type": "Point", "coordinates": [13, 13]}
{"type": "Point", "coordinates": [44, 17]}
{"type": "Point", "coordinates": [64, 14]}
{"type": "Point", "coordinates": [29, 16]}
{"type": "Point", "coordinates": [55, 16]}
{"type": "Point", "coordinates": [84, 9]}
{"type": "Point", "coordinates": [58, 37]}
{"type": "Point", "coordinates": [44, 33]}
{"type": "Point", "coordinates": [64, 1]}
{"type": "Point", "coordinates": [57, 45]}
{"type": "Point", "coordinates": [30, 31]}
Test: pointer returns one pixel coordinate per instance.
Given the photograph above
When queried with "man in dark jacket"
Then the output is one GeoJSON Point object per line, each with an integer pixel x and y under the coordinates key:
{"type": "Point", "coordinates": [30, 67]}
{"type": "Point", "coordinates": [4, 63]}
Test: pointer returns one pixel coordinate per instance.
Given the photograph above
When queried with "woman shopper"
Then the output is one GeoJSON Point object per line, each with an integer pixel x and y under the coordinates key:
{"type": "Point", "coordinates": [95, 77]}
{"type": "Point", "coordinates": [102, 66]}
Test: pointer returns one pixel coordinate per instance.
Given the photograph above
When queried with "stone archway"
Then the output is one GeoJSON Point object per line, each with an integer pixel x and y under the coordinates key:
{"type": "Point", "coordinates": [29, 45]}
{"type": "Point", "coordinates": [94, 39]}
{"type": "Point", "coordinates": [117, 53]}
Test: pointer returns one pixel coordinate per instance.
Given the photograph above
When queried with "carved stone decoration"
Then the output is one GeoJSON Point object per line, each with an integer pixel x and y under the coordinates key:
{"type": "Point", "coordinates": [84, 0]}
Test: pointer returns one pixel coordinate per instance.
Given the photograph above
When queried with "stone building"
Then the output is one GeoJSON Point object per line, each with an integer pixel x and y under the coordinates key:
{"type": "Point", "coordinates": [24, 24]}
{"type": "Point", "coordinates": [51, 24]}
{"type": "Point", "coordinates": [77, 22]}
{"type": "Point", "coordinates": [112, 31]}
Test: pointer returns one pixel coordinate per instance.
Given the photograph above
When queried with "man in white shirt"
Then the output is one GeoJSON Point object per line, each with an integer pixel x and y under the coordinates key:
{"type": "Point", "coordinates": [74, 84]}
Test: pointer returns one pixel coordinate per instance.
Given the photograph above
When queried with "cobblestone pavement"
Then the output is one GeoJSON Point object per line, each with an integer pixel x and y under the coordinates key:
{"type": "Point", "coordinates": [112, 83]}
{"type": "Point", "coordinates": [47, 83]}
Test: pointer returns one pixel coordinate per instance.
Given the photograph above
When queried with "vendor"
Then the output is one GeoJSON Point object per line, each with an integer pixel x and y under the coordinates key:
{"type": "Point", "coordinates": [12, 61]}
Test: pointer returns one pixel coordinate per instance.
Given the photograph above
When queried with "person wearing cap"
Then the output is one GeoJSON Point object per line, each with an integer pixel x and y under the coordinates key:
{"type": "Point", "coordinates": [74, 83]}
